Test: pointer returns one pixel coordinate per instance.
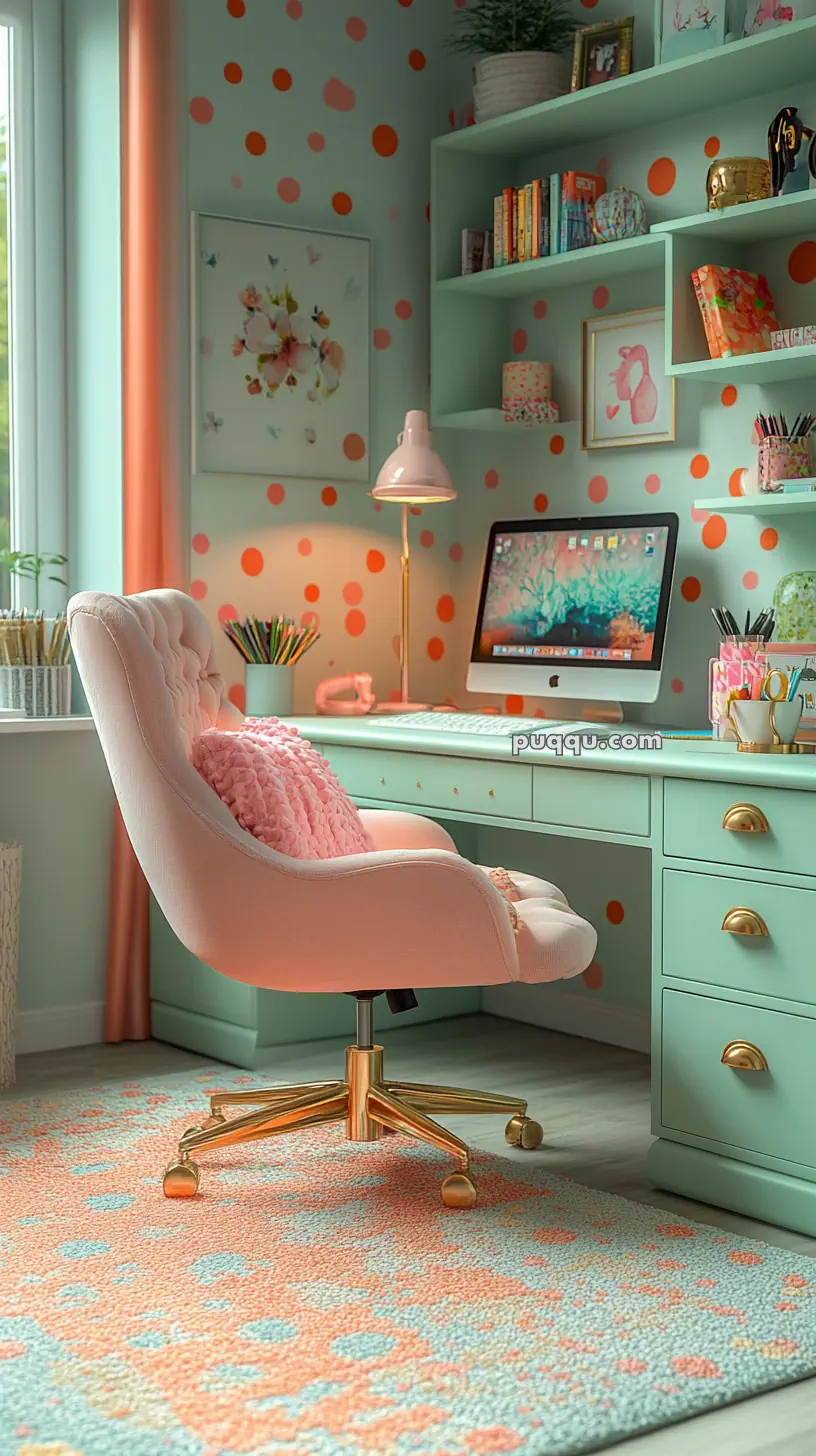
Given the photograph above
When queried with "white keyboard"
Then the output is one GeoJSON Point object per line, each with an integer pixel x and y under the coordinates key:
{"type": "Point", "coordinates": [488, 724]}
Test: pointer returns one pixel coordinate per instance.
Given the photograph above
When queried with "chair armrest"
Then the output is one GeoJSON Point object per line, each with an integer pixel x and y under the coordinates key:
{"type": "Point", "coordinates": [394, 829]}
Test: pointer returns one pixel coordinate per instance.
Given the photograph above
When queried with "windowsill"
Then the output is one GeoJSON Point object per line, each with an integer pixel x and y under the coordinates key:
{"type": "Point", "coordinates": [72, 724]}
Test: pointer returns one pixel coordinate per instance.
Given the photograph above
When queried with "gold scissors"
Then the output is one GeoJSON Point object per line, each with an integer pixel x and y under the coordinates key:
{"type": "Point", "coordinates": [779, 693]}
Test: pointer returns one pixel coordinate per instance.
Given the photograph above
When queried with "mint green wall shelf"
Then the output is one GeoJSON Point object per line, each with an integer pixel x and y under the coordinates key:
{"type": "Point", "coordinates": [565, 270]}
{"type": "Point", "coordinates": [770, 368]}
{"type": "Point", "coordinates": [493, 419]}
{"type": "Point", "coordinates": [750, 222]}
{"type": "Point", "coordinates": [761, 505]}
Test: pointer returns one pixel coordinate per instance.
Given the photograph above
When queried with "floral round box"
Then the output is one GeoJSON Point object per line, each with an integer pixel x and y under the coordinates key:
{"type": "Point", "coordinates": [617, 215]}
{"type": "Point", "coordinates": [795, 607]}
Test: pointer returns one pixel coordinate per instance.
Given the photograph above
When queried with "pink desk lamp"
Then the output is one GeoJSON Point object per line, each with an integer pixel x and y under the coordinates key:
{"type": "Point", "coordinates": [413, 476]}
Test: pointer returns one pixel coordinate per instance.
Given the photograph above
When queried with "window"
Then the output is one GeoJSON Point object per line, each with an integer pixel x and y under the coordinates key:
{"type": "Point", "coordinates": [5, 462]}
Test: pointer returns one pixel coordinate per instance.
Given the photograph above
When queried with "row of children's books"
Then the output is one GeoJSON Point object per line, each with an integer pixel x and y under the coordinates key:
{"type": "Point", "coordinates": [547, 216]}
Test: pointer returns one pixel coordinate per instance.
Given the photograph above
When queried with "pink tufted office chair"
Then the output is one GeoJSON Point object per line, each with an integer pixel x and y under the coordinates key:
{"type": "Point", "coordinates": [412, 914]}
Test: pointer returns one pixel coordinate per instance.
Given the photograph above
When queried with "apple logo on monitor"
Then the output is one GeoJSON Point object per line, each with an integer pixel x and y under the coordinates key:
{"type": "Point", "coordinates": [554, 680]}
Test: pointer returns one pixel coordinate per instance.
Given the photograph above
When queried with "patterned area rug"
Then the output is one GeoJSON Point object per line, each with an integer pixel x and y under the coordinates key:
{"type": "Point", "coordinates": [317, 1298]}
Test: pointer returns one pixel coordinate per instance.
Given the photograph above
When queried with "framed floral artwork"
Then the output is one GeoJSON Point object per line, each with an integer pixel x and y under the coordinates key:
{"type": "Point", "coordinates": [281, 337]}
{"type": "Point", "coordinates": [627, 397]}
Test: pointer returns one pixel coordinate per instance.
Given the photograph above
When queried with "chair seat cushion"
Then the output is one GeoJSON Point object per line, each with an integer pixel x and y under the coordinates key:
{"type": "Point", "coordinates": [280, 790]}
{"type": "Point", "coordinates": [552, 942]}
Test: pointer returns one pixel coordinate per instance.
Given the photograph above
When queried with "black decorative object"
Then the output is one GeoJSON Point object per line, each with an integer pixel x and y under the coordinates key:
{"type": "Point", "coordinates": [786, 134]}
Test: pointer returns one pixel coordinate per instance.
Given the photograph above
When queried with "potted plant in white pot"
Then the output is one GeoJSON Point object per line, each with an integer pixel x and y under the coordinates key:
{"type": "Point", "coordinates": [522, 45]}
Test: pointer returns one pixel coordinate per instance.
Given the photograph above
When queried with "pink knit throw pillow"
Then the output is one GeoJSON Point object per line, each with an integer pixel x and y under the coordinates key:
{"type": "Point", "coordinates": [280, 790]}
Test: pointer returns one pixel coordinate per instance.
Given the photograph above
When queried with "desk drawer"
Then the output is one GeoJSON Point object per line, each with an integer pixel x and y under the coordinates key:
{"type": "Point", "coordinates": [587, 799]}
{"type": "Point", "coordinates": [693, 825]}
{"type": "Point", "coordinates": [767, 1112]}
{"type": "Point", "coordinates": [429, 781]}
{"type": "Point", "coordinates": [697, 948]}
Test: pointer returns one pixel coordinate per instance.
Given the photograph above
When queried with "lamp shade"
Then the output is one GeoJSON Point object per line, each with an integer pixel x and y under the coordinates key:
{"type": "Point", "coordinates": [414, 473]}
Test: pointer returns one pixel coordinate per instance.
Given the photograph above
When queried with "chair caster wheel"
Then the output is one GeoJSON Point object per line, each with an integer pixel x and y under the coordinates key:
{"type": "Point", "coordinates": [522, 1132]}
{"type": "Point", "coordinates": [181, 1179]}
{"type": "Point", "coordinates": [458, 1191]}
{"type": "Point", "coordinates": [215, 1119]}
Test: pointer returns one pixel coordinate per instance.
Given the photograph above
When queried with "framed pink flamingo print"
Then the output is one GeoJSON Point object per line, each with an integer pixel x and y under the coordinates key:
{"type": "Point", "coordinates": [627, 397]}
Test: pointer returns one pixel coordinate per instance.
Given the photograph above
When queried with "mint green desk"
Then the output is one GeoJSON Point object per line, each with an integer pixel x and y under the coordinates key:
{"type": "Point", "coordinates": [732, 841]}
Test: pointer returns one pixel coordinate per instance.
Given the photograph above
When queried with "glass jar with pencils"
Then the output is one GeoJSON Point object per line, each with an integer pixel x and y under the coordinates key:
{"type": "Point", "coordinates": [783, 454]}
{"type": "Point", "coordinates": [35, 667]}
{"type": "Point", "coordinates": [270, 648]}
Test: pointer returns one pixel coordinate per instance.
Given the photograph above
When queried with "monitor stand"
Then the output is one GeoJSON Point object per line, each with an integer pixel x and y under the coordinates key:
{"type": "Point", "coordinates": [574, 710]}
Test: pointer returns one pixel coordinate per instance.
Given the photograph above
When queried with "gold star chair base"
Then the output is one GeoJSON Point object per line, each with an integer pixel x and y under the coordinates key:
{"type": "Point", "coordinates": [368, 1105]}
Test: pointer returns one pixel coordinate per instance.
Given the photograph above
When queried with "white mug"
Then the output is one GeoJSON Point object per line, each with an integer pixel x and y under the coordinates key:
{"type": "Point", "coordinates": [755, 722]}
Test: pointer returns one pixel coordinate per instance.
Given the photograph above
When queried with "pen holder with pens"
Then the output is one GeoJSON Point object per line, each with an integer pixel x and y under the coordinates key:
{"type": "Point", "coordinates": [782, 458]}
{"type": "Point", "coordinates": [762, 726]}
{"type": "Point", "coordinates": [742, 661]}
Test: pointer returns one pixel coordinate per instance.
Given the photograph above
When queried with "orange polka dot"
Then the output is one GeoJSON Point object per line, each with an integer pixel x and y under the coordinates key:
{"type": "Point", "coordinates": [310, 619]}
{"type": "Point", "coordinates": [339, 96]}
{"type": "Point", "coordinates": [236, 8]}
{"type": "Point", "coordinates": [328, 495]}
{"type": "Point", "coordinates": [312, 592]}
{"type": "Point", "coordinates": [661, 176]}
{"type": "Point", "coordinates": [750, 581]}
{"type": "Point", "coordinates": [598, 489]}
{"type": "Point", "coordinates": [735, 481]}
{"type": "Point", "coordinates": [201, 543]}
{"type": "Point", "coordinates": [676, 1231]}
{"type": "Point", "coordinates": [405, 3]}
{"type": "Point", "coordinates": [593, 977]}
{"type": "Point", "coordinates": [375, 561]}
{"type": "Point", "coordinates": [556, 444]}
{"type": "Point", "coordinates": [802, 262]}
{"type": "Point", "coordinates": [288, 189]}
{"type": "Point", "coordinates": [415, 510]}
{"type": "Point", "coordinates": [519, 341]}
{"type": "Point", "coordinates": [294, 9]}
{"type": "Point", "coordinates": [768, 538]}
{"type": "Point", "coordinates": [382, 339]}
{"type": "Point", "coordinates": [342, 204]}
{"type": "Point", "coordinates": [202, 110]}
{"type": "Point", "coordinates": [540, 309]}
{"type": "Point", "coordinates": [356, 29]}
{"type": "Point", "coordinates": [282, 79]}
{"type": "Point", "coordinates": [445, 609]}
{"type": "Point", "coordinates": [491, 479]}
{"type": "Point", "coordinates": [416, 60]}
{"type": "Point", "coordinates": [699, 467]}
{"type": "Point", "coordinates": [614, 912]}
{"type": "Point", "coordinates": [198, 590]}
{"type": "Point", "coordinates": [275, 494]}
{"type": "Point", "coordinates": [403, 309]}
{"type": "Point", "coordinates": [252, 561]}
{"type": "Point", "coordinates": [744, 1256]}
{"type": "Point", "coordinates": [514, 704]}
{"type": "Point", "coordinates": [541, 503]}
{"type": "Point", "coordinates": [354, 447]}
{"type": "Point", "coordinates": [316, 141]}
{"type": "Point", "coordinates": [712, 146]}
{"type": "Point", "coordinates": [436, 649]}
{"type": "Point", "coordinates": [237, 696]}
{"type": "Point", "coordinates": [353, 593]}
{"type": "Point", "coordinates": [455, 552]}
{"type": "Point", "coordinates": [305, 547]}
{"type": "Point", "coordinates": [233, 73]}
{"type": "Point", "coordinates": [255, 143]}
{"type": "Point", "coordinates": [227, 613]}
{"type": "Point", "coordinates": [690, 588]}
{"type": "Point", "coordinates": [714, 532]}
{"type": "Point", "coordinates": [652, 484]}
{"type": "Point", "coordinates": [600, 296]}
{"type": "Point", "coordinates": [426, 539]}
{"type": "Point", "coordinates": [384, 140]}
{"type": "Point", "coordinates": [729, 395]}
{"type": "Point", "coordinates": [355, 623]}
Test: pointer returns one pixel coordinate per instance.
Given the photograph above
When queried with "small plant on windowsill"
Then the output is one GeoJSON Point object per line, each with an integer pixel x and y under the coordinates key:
{"type": "Point", "coordinates": [29, 566]}
{"type": "Point", "coordinates": [521, 45]}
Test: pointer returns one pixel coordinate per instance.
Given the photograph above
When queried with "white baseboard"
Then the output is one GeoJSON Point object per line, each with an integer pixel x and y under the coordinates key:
{"type": "Point", "coordinates": [60, 1026]}
{"type": "Point", "coordinates": [622, 1026]}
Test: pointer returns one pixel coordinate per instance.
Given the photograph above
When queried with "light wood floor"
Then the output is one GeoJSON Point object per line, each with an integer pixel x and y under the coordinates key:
{"type": "Point", "coordinates": [593, 1101]}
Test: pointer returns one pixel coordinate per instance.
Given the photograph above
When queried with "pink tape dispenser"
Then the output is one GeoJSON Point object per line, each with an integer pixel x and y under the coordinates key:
{"type": "Point", "coordinates": [330, 704]}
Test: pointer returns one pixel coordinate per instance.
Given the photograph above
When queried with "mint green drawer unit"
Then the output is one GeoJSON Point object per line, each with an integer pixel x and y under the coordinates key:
{"type": "Point", "coordinates": [765, 1111]}
{"type": "Point", "coordinates": [429, 781]}
{"type": "Point", "coordinates": [579, 798]}
{"type": "Point", "coordinates": [731, 824]}
{"type": "Point", "coordinates": [746, 935]}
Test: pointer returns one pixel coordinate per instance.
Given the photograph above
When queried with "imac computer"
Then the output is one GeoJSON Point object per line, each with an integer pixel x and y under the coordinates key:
{"type": "Point", "coordinates": [575, 608]}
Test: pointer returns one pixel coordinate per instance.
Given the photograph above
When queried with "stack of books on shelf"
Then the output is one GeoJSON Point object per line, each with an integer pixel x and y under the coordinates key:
{"type": "Point", "coordinates": [549, 215]}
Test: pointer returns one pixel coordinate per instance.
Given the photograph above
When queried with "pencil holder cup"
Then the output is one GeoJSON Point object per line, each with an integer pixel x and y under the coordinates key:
{"type": "Point", "coordinates": [764, 724]}
{"type": "Point", "coordinates": [42, 692]}
{"type": "Point", "coordinates": [269, 690]}
{"type": "Point", "coordinates": [782, 459]}
{"type": "Point", "coordinates": [740, 662]}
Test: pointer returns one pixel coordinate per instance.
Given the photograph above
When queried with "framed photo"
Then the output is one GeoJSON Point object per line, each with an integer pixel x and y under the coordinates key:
{"type": "Point", "coordinates": [602, 53]}
{"type": "Point", "coordinates": [281, 339]}
{"type": "Point", "coordinates": [627, 397]}
{"type": "Point", "coordinates": [686, 27]}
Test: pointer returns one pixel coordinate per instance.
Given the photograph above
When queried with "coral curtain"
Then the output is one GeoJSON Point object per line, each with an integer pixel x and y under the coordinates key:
{"type": "Point", "coordinates": [154, 328]}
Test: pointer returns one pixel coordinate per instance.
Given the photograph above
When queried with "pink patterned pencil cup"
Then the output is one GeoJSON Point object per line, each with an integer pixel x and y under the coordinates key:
{"type": "Point", "coordinates": [782, 459]}
{"type": "Point", "coordinates": [527, 393]}
{"type": "Point", "coordinates": [741, 662]}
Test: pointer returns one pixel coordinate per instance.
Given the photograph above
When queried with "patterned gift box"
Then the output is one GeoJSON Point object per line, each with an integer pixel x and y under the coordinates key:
{"type": "Point", "coordinates": [518, 411]}
{"type": "Point", "coordinates": [527, 380]}
{"type": "Point", "coordinates": [793, 338]}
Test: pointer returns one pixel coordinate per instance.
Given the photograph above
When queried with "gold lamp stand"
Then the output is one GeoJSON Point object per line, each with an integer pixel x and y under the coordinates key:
{"type": "Point", "coordinates": [368, 1105]}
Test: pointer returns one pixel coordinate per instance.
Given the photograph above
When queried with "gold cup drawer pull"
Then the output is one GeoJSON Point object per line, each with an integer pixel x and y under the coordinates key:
{"type": "Point", "coordinates": [745, 819]}
{"type": "Point", "coordinates": [743, 1056]}
{"type": "Point", "coordinates": [742, 921]}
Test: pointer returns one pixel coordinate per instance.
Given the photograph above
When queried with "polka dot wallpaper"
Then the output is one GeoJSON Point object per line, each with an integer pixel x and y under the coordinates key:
{"type": "Point", "coordinates": [320, 114]}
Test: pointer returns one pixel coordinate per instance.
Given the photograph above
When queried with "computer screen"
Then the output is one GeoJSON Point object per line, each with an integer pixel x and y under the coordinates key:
{"type": "Point", "coordinates": [589, 593]}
